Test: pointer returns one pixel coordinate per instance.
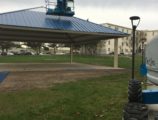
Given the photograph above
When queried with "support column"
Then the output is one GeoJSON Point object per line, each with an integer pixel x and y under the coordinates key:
{"type": "Point", "coordinates": [71, 53]}
{"type": "Point", "coordinates": [116, 53]}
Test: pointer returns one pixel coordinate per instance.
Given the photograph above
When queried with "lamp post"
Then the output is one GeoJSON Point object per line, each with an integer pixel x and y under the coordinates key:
{"type": "Point", "coordinates": [134, 109]}
{"type": "Point", "coordinates": [143, 41]}
{"type": "Point", "coordinates": [135, 20]}
{"type": "Point", "coordinates": [143, 68]}
{"type": "Point", "coordinates": [134, 88]}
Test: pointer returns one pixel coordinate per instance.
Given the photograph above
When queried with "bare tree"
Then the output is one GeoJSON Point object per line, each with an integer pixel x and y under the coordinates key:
{"type": "Point", "coordinates": [36, 46]}
{"type": "Point", "coordinates": [6, 45]}
{"type": "Point", "coordinates": [91, 48]}
{"type": "Point", "coordinates": [54, 46]}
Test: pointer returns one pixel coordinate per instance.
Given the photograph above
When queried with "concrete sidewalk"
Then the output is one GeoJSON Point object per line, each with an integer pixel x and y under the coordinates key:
{"type": "Point", "coordinates": [51, 67]}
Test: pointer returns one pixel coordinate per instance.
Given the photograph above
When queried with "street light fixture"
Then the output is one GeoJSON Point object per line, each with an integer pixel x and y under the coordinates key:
{"type": "Point", "coordinates": [135, 20]}
{"type": "Point", "coordinates": [134, 88]}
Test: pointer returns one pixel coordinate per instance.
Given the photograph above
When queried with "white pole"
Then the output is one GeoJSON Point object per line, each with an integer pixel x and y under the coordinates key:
{"type": "Point", "coordinates": [116, 53]}
{"type": "Point", "coordinates": [71, 53]}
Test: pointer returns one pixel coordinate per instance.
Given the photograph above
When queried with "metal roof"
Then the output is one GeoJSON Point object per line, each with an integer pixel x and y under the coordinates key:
{"type": "Point", "coordinates": [32, 25]}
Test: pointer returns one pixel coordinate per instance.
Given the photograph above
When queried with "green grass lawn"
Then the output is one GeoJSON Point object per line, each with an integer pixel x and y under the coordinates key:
{"type": "Point", "coordinates": [94, 99]}
{"type": "Point", "coordinates": [124, 62]}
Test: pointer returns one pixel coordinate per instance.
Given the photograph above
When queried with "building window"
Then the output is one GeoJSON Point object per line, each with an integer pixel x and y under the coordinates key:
{"type": "Point", "coordinates": [126, 44]}
{"type": "Point", "coordinates": [153, 33]}
{"type": "Point", "coordinates": [122, 43]}
{"type": "Point", "coordinates": [109, 42]}
{"type": "Point", "coordinates": [109, 49]}
{"type": "Point", "coordinates": [145, 34]}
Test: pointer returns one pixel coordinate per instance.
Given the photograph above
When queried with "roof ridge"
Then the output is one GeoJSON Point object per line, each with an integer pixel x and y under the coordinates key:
{"type": "Point", "coordinates": [101, 25]}
{"type": "Point", "coordinates": [89, 21]}
{"type": "Point", "coordinates": [22, 10]}
{"type": "Point", "coordinates": [117, 25]}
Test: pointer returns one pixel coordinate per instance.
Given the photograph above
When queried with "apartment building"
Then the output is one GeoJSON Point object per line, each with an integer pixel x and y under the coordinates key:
{"type": "Point", "coordinates": [149, 34]}
{"type": "Point", "coordinates": [125, 43]}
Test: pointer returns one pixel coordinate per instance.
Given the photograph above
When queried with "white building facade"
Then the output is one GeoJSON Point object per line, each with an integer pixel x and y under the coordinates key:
{"type": "Point", "coordinates": [125, 44]}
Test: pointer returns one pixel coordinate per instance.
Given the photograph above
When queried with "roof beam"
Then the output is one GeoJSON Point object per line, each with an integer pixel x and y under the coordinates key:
{"type": "Point", "coordinates": [26, 40]}
{"type": "Point", "coordinates": [29, 33]}
{"type": "Point", "coordinates": [21, 38]}
{"type": "Point", "coordinates": [32, 36]}
{"type": "Point", "coordinates": [60, 31]}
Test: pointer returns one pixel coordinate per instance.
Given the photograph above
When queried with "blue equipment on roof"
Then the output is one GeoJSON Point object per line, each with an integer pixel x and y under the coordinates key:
{"type": "Point", "coordinates": [60, 7]}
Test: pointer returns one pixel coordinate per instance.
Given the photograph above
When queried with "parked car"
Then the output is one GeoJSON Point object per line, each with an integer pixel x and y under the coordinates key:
{"type": "Point", "coordinates": [16, 53]}
{"type": "Point", "coordinates": [10, 53]}
{"type": "Point", "coordinates": [28, 53]}
{"type": "Point", "coordinates": [23, 52]}
{"type": "Point", "coordinates": [3, 53]}
{"type": "Point", "coordinates": [111, 53]}
{"type": "Point", "coordinates": [60, 53]}
{"type": "Point", "coordinates": [122, 53]}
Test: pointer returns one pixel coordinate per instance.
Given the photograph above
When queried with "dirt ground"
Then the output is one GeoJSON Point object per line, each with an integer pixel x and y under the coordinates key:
{"type": "Point", "coordinates": [39, 75]}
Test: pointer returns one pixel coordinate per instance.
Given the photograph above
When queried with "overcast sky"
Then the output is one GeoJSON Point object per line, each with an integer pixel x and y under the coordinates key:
{"type": "Point", "coordinates": [101, 11]}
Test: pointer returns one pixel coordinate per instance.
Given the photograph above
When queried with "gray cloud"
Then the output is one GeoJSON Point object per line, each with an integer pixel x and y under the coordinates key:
{"type": "Point", "coordinates": [138, 4]}
{"type": "Point", "coordinates": [121, 4]}
{"type": "Point", "coordinates": [12, 5]}
{"type": "Point", "coordinates": [22, 2]}
{"type": "Point", "coordinates": [19, 3]}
